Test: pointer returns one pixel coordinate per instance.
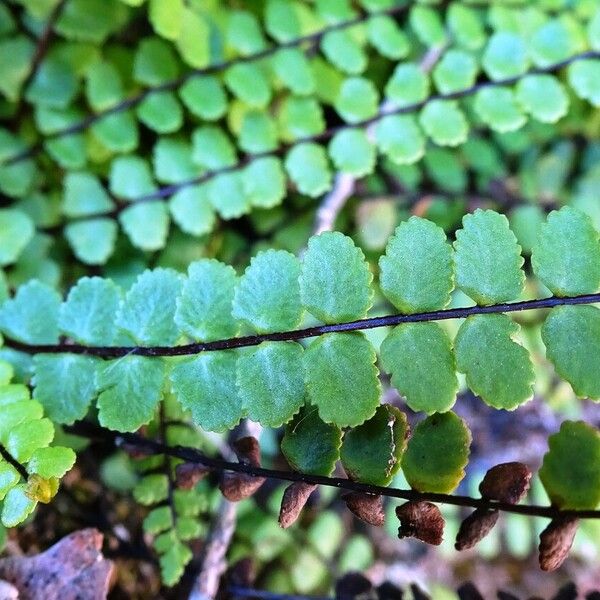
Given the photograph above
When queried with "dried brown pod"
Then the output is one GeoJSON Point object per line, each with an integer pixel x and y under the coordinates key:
{"type": "Point", "coordinates": [367, 507]}
{"type": "Point", "coordinates": [187, 475]}
{"type": "Point", "coordinates": [293, 501]}
{"type": "Point", "coordinates": [507, 482]}
{"type": "Point", "coordinates": [422, 520]}
{"type": "Point", "coordinates": [475, 527]}
{"type": "Point", "coordinates": [247, 449]}
{"type": "Point", "coordinates": [238, 486]}
{"type": "Point", "coordinates": [556, 541]}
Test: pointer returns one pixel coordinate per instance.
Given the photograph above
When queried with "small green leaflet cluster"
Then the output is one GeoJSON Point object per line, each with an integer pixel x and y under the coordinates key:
{"type": "Point", "coordinates": [433, 457]}
{"type": "Point", "coordinates": [336, 372]}
{"type": "Point", "coordinates": [25, 438]}
{"type": "Point", "coordinates": [250, 111]}
{"type": "Point", "coordinates": [174, 516]}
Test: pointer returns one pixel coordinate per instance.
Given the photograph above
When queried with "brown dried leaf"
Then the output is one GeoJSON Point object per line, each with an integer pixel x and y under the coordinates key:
{"type": "Point", "coordinates": [187, 475]}
{"type": "Point", "coordinates": [238, 486]}
{"type": "Point", "coordinates": [73, 568]}
{"type": "Point", "coordinates": [422, 520]}
{"type": "Point", "coordinates": [367, 507]}
{"type": "Point", "coordinates": [294, 498]}
{"type": "Point", "coordinates": [507, 482]}
{"type": "Point", "coordinates": [475, 527]}
{"type": "Point", "coordinates": [556, 541]}
{"type": "Point", "coordinates": [247, 450]}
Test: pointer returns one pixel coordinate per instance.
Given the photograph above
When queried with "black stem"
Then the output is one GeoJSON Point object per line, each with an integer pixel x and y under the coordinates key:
{"type": "Point", "coordinates": [285, 336]}
{"type": "Point", "coordinates": [192, 455]}
{"type": "Point", "coordinates": [8, 457]}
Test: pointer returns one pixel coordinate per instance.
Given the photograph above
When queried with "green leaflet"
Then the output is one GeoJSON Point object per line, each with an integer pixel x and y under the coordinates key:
{"type": "Point", "coordinates": [226, 194]}
{"type": "Point", "coordinates": [456, 71]}
{"type": "Point", "coordinates": [32, 315]}
{"type": "Point", "coordinates": [130, 177]}
{"type": "Point", "coordinates": [400, 138]}
{"type": "Point", "coordinates": [148, 309]}
{"type": "Point", "coordinates": [65, 385]}
{"type": "Point", "coordinates": [258, 133]}
{"type": "Point", "coordinates": [193, 41]}
{"type": "Point", "coordinates": [270, 380]}
{"type": "Point", "coordinates": [352, 152]}
{"type": "Point", "coordinates": [264, 182]}
{"type": "Point", "coordinates": [174, 561]}
{"type": "Point", "coordinates": [444, 122]}
{"type": "Point", "coordinates": [267, 297]}
{"type": "Point", "coordinates": [247, 82]}
{"type": "Point", "coordinates": [498, 369]}
{"type": "Point", "coordinates": [341, 378]}
{"type": "Point", "coordinates": [204, 305]}
{"type": "Point", "coordinates": [387, 37]}
{"type": "Point", "coordinates": [25, 438]}
{"type": "Point", "coordinates": [204, 97]}
{"type": "Point", "coordinates": [244, 33]}
{"type": "Point", "coordinates": [161, 112]}
{"type": "Point", "coordinates": [17, 506]}
{"type": "Point", "coordinates": [8, 478]}
{"type": "Point", "coordinates": [293, 68]}
{"type": "Point", "coordinates": [16, 230]}
{"type": "Point", "coordinates": [51, 462]}
{"type": "Point", "coordinates": [104, 85]}
{"type": "Point", "coordinates": [92, 241]}
{"type": "Point", "coordinates": [466, 26]}
{"type": "Point", "coordinates": [299, 118]}
{"type": "Point", "coordinates": [155, 62]}
{"type": "Point", "coordinates": [308, 168]}
{"type": "Point", "coordinates": [567, 254]}
{"type": "Point", "coordinates": [212, 148]}
{"type": "Point", "coordinates": [437, 454]}
{"type": "Point", "coordinates": [408, 85]}
{"type": "Point", "coordinates": [572, 338]}
{"type": "Point", "coordinates": [136, 379]}
{"type": "Point", "coordinates": [505, 56]}
{"type": "Point", "coordinates": [206, 387]}
{"type": "Point", "coordinates": [420, 360]}
{"type": "Point", "coordinates": [372, 451]}
{"type": "Point", "coordinates": [497, 107]}
{"type": "Point", "coordinates": [543, 97]}
{"type": "Point", "coordinates": [584, 79]}
{"type": "Point", "coordinates": [151, 489]}
{"type": "Point", "coordinates": [417, 281]}
{"type": "Point", "coordinates": [88, 314]}
{"type": "Point", "coordinates": [488, 259]}
{"type": "Point", "coordinates": [344, 52]}
{"type": "Point", "coordinates": [191, 209]}
{"type": "Point", "coordinates": [335, 279]}
{"type": "Point", "coordinates": [172, 161]}
{"type": "Point", "coordinates": [310, 445]}
{"type": "Point", "coordinates": [570, 472]}
{"type": "Point", "coordinates": [357, 100]}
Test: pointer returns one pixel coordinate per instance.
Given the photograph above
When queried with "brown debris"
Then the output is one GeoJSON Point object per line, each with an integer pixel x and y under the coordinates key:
{"type": "Point", "coordinates": [247, 450]}
{"type": "Point", "coordinates": [475, 527]}
{"type": "Point", "coordinates": [72, 568]}
{"type": "Point", "coordinates": [187, 475]}
{"type": "Point", "coordinates": [507, 482]}
{"type": "Point", "coordinates": [239, 486]}
{"type": "Point", "coordinates": [422, 520]}
{"type": "Point", "coordinates": [294, 498]}
{"type": "Point", "coordinates": [367, 507]}
{"type": "Point", "coordinates": [556, 541]}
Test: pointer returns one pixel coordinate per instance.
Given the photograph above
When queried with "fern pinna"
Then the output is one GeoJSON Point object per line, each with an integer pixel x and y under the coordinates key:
{"type": "Point", "coordinates": [171, 173]}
